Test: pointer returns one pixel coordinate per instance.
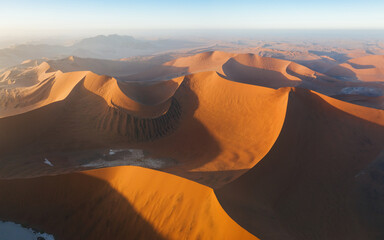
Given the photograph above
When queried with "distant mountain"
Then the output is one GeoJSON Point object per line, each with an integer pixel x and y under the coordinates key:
{"type": "Point", "coordinates": [103, 47]}
{"type": "Point", "coordinates": [115, 40]}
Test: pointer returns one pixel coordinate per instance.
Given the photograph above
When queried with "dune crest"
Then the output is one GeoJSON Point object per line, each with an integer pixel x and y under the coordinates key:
{"type": "Point", "coordinates": [54, 86]}
{"type": "Point", "coordinates": [305, 187]}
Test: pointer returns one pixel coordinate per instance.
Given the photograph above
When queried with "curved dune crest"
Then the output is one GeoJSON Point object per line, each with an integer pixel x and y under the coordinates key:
{"type": "Point", "coordinates": [213, 134]}
{"type": "Point", "coordinates": [25, 75]}
{"type": "Point", "coordinates": [260, 71]}
{"type": "Point", "coordinates": [305, 187]}
{"type": "Point", "coordinates": [372, 115]}
{"type": "Point", "coordinates": [57, 86]}
{"type": "Point", "coordinates": [206, 61]}
{"type": "Point", "coordinates": [118, 203]}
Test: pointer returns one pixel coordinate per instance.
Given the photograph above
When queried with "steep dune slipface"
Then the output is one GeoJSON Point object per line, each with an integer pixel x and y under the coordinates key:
{"type": "Point", "coordinates": [306, 187]}
{"type": "Point", "coordinates": [369, 194]}
{"type": "Point", "coordinates": [118, 203]}
{"type": "Point", "coordinates": [366, 69]}
{"type": "Point", "coordinates": [72, 116]}
{"type": "Point", "coordinates": [217, 118]}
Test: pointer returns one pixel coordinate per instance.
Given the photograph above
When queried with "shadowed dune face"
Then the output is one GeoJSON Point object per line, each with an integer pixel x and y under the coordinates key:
{"type": "Point", "coordinates": [369, 101]}
{"type": "Point", "coordinates": [258, 76]}
{"type": "Point", "coordinates": [341, 57]}
{"type": "Point", "coordinates": [76, 207]}
{"type": "Point", "coordinates": [117, 203]}
{"type": "Point", "coordinates": [305, 186]}
{"type": "Point", "coordinates": [370, 196]}
{"type": "Point", "coordinates": [321, 65]}
{"type": "Point", "coordinates": [156, 73]}
{"type": "Point", "coordinates": [366, 69]}
{"type": "Point", "coordinates": [153, 93]}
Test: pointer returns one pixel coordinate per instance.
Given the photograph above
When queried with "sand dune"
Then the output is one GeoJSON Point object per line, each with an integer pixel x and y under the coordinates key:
{"type": "Point", "coordinates": [366, 69]}
{"type": "Point", "coordinates": [118, 203]}
{"type": "Point", "coordinates": [245, 68]}
{"type": "Point", "coordinates": [102, 116]}
{"type": "Point", "coordinates": [306, 186]}
{"type": "Point", "coordinates": [218, 141]}
{"type": "Point", "coordinates": [216, 61]}
{"type": "Point", "coordinates": [275, 73]}
{"type": "Point", "coordinates": [28, 74]}
{"type": "Point", "coordinates": [285, 162]}
{"type": "Point", "coordinates": [240, 67]}
{"type": "Point", "coordinates": [154, 116]}
{"type": "Point", "coordinates": [57, 86]}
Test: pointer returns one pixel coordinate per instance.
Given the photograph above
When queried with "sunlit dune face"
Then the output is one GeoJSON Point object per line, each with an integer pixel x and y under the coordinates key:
{"type": "Point", "coordinates": [119, 203]}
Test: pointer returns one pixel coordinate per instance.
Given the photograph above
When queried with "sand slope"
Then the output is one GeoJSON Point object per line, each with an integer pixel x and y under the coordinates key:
{"type": "Point", "coordinates": [264, 71]}
{"type": "Point", "coordinates": [305, 187]}
{"type": "Point", "coordinates": [102, 114]}
{"type": "Point", "coordinates": [247, 68]}
{"type": "Point", "coordinates": [366, 69]}
{"type": "Point", "coordinates": [118, 203]}
{"type": "Point", "coordinates": [285, 162]}
{"type": "Point", "coordinates": [209, 138]}
{"type": "Point", "coordinates": [369, 101]}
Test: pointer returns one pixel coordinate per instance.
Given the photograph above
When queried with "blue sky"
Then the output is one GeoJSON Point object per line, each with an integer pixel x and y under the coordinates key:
{"type": "Point", "coordinates": [27, 15]}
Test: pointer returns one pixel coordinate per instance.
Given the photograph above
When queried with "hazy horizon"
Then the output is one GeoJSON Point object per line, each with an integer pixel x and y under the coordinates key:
{"type": "Point", "coordinates": [44, 18]}
{"type": "Point", "coordinates": [70, 37]}
{"type": "Point", "coordinates": [44, 21]}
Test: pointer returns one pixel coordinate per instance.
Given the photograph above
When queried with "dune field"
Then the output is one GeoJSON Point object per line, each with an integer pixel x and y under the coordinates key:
{"type": "Point", "coordinates": [197, 141]}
